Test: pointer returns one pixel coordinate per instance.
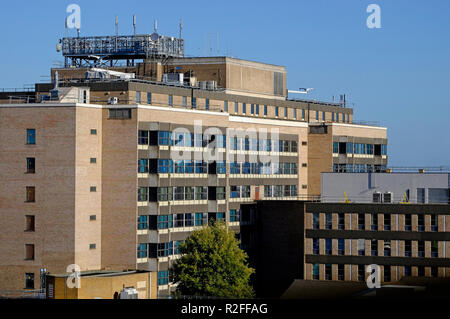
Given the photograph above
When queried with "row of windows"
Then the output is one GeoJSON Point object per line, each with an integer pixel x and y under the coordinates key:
{"type": "Point", "coordinates": [374, 247]}
{"type": "Point", "coordinates": [166, 138]}
{"type": "Point", "coordinates": [362, 272]}
{"type": "Point", "coordinates": [358, 148]}
{"type": "Point", "coordinates": [185, 220]}
{"type": "Point", "coordinates": [373, 221]}
{"type": "Point", "coordinates": [271, 191]}
{"type": "Point", "coordinates": [252, 109]}
{"type": "Point", "coordinates": [264, 168]}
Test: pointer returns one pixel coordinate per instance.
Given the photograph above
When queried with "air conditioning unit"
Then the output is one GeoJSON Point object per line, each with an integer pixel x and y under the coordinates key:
{"type": "Point", "coordinates": [129, 293]}
{"type": "Point", "coordinates": [203, 85]}
{"type": "Point", "coordinates": [377, 197]}
{"type": "Point", "coordinates": [388, 197]}
{"type": "Point", "coordinates": [113, 100]}
{"type": "Point", "coordinates": [176, 78]}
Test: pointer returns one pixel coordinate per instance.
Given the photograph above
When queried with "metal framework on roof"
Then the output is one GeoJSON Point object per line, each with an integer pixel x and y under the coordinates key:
{"type": "Point", "coordinates": [108, 50]}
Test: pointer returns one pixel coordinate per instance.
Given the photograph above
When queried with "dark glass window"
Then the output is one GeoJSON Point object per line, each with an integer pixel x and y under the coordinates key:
{"type": "Point", "coordinates": [31, 136]}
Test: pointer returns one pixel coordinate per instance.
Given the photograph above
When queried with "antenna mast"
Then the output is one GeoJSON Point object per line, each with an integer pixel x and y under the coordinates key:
{"type": "Point", "coordinates": [134, 24]}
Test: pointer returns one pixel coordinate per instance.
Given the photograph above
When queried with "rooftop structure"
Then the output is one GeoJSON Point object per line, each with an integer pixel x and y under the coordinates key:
{"type": "Point", "coordinates": [401, 187]}
{"type": "Point", "coordinates": [83, 51]}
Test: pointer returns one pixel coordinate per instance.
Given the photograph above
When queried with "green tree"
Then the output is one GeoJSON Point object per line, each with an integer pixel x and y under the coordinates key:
{"type": "Point", "coordinates": [213, 265]}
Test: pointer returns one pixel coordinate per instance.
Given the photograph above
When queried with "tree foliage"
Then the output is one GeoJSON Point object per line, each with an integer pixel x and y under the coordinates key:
{"type": "Point", "coordinates": [213, 265]}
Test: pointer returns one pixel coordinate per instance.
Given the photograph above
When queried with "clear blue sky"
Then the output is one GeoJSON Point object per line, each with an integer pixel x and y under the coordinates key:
{"type": "Point", "coordinates": [398, 75]}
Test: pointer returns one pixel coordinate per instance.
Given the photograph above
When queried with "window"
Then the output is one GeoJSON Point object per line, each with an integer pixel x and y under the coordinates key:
{"type": "Point", "coordinates": [303, 114]}
{"type": "Point", "coordinates": [143, 166]}
{"type": "Point", "coordinates": [225, 106]}
{"type": "Point", "coordinates": [29, 223]}
{"type": "Point", "coordinates": [164, 138]}
{"type": "Point", "coordinates": [387, 248]}
{"type": "Point", "coordinates": [149, 98]}
{"type": "Point", "coordinates": [143, 138]}
{"type": "Point", "coordinates": [92, 217]}
{"type": "Point", "coordinates": [234, 216]}
{"type": "Point", "coordinates": [29, 281]}
{"type": "Point", "coordinates": [276, 111]}
{"type": "Point", "coordinates": [165, 221]}
{"type": "Point", "coordinates": [138, 97]}
{"type": "Point", "coordinates": [361, 247]}
{"type": "Point", "coordinates": [337, 117]}
{"type": "Point", "coordinates": [315, 272]}
{"type": "Point", "coordinates": [221, 193]}
{"type": "Point", "coordinates": [244, 108]}
{"type": "Point", "coordinates": [201, 193]}
{"type": "Point", "coordinates": [252, 109]}
{"type": "Point", "coordinates": [285, 112]}
{"type": "Point", "coordinates": [31, 194]}
{"type": "Point", "coordinates": [189, 193]}
{"type": "Point", "coordinates": [142, 222]}
{"type": "Point", "coordinates": [361, 221]}
{"type": "Point", "coordinates": [194, 102]}
{"type": "Point", "coordinates": [31, 167]}
{"type": "Point", "coordinates": [335, 147]}
{"type": "Point", "coordinates": [434, 248]}
{"type": "Point", "coordinates": [143, 194]}
{"type": "Point", "coordinates": [93, 160]}
{"type": "Point", "coordinates": [434, 272]}
{"type": "Point", "coordinates": [434, 223]}
{"type": "Point", "coordinates": [387, 222]}
{"type": "Point", "coordinates": [189, 220]}
{"type": "Point", "coordinates": [236, 107]}
{"type": "Point", "coordinates": [374, 247]}
{"type": "Point", "coordinates": [316, 246]}
{"type": "Point", "coordinates": [421, 271]}
{"type": "Point", "coordinates": [328, 221]}
{"type": "Point", "coordinates": [179, 220]}
{"type": "Point", "coordinates": [93, 189]}
{"type": "Point", "coordinates": [374, 225]}
{"type": "Point", "coordinates": [207, 104]}
{"type": "Point", "coordinates": [184, 101]}
{"type": "Point", "coordinates": [170, 100]}
{"type": "Point", "coordinates": [421, 222]}
{"type": "Point", "coordinates": [317, 115]}
{"type": "Point", "coordinates": [295, 114]}
{"type": "Point", "coordinates": [163, 278]}
{"type": "Point", "coordinates": [265, 110]}
{"type": "Point", "coordinates": [93, 132]}
{"type": "Point", "coordinates": [29, 252]}
{"type": "Point", "coordinates": [323, 116]}
{"type": "Point", "coordinates": [120, 114]}
{"type": "Point", "coordinates": [142, 251]}
{"type": "Point", "coordinates": [341, 221]}
{"type": "Point", "coordinates": [201, 219]}
{"type": "Point", "coordinates": [408, 222]}
{"type": "Point", "coordinates": [361, 272]}
{"type": "Point", "coordinates": [420, 248]}
{"type": "Point", "coordinates": [220, 217]}
{"type": "Point", "coordinates": [332, 116]}
{"type": "Point", "coordinates": [31, 136]}
{"type": "Point", "coordinates": [257, 109]}
{"type": "Point", "coordinates": [341, 272]}
{"type": "Point", "coordinates": [316, 221]}
{"type": "Point", "coordinates": [408, 245]}
{"type": "Point", "coordinates": [407, 271]}
{"type": "Point", "coordinates": [341, 246]}
{"type": "Point", "coordinates": [387, 273]}
{"type": "Point", "coordinates": [328, 272]}
{"type": "Point", "coordinates": [92, 246]}
{"type": "Point", "coordinates": [328, 246]}
{"type": "Point", "coordinates": [179, 193]}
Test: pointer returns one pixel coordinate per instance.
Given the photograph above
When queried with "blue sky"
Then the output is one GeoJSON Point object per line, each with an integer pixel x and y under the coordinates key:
{"type": "Point", "coordinates": [398, 75]}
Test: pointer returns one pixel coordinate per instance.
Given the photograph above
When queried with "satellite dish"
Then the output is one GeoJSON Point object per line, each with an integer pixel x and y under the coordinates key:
{"type": "Point", "coordinates": [154, 36]}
